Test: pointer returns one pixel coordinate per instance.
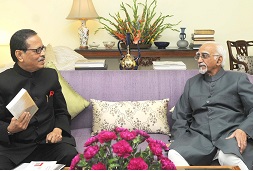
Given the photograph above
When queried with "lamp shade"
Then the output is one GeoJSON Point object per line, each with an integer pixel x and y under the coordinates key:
{"type": "Point", "coordinates": [82, 10]}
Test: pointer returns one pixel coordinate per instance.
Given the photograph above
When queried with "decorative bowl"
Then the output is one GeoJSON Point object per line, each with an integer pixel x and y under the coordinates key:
{"type": "Point", "coordinates": [162, 45]}
{"type": "Point", "coordinates": [94, 45]}
{"type": "Point", "coordinates": [108, 44]}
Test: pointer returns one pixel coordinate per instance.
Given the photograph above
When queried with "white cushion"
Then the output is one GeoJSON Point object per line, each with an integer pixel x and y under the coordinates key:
{"type": "Point", "coordinates": [150, 115]}
{"type": "Point", "coordinates": [50, 56]}
{"type": "Point", "coordinates": [63, 57]}
{"type": "Point", "coordinates": [4, 67]}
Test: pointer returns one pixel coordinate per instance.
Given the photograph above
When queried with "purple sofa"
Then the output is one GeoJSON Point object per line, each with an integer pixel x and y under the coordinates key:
{"type": "Point", "coordinates": [118, 85]}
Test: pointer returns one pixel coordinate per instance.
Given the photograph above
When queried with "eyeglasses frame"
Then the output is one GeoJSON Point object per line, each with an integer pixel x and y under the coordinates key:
{"type": "Point", "coordinates": [38, 50]}
{"type": "Point", "coordinates": [200, 55]}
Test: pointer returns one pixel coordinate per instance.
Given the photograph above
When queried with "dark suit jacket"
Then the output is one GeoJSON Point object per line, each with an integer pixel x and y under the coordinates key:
{"type": "Point", "coordinates": [210, 109]}
{"type": "Point", "coordinates": [52, 111]}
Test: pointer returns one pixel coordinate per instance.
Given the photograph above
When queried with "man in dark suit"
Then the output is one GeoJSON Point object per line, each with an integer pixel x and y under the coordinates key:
{"type": "Point", "coordinates": [46, 135]}
{"type": "Point", "coordinates": [213, 118]}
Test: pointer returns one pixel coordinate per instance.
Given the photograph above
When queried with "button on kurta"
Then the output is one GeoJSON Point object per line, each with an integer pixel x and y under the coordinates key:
{"type": "Point", "coordinates": [36, 127]}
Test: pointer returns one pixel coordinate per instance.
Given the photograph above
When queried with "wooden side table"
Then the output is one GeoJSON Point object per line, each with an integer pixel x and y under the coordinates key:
{"type": "Point", "coordinates": [147, 55]}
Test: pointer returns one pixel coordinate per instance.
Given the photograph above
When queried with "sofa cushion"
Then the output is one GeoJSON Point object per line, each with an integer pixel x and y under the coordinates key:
{"type": "Point", "coordinates": [50, 55]}
{"type": "Point", "coordinates": [150, 115]}
{"type": "Point", "coordinates": [75, 102]}
{"type": "Point", "coordinates": [63, 57]}
{"type": "Point", "coordinates": [66, 57]}
{"type": "Point", "coordinates": [249, 61]}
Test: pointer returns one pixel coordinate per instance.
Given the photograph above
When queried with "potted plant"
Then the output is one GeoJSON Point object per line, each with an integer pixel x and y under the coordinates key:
{"type": "Point", "coordinates": [144, 27]}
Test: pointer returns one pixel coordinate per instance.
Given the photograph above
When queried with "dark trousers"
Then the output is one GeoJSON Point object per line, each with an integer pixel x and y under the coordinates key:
{"type": "Point", "coordinates": [63, 153]}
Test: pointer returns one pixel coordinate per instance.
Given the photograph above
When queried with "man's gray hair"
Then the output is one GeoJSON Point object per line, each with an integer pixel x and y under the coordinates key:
{"type": "Point", "coordinates": [221, 51]}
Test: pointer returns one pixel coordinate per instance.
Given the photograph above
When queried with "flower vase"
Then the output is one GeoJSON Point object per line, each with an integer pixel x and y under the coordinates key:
{"type": "Point", "coordinates": [128, 61]}
{"type": "Point", "coordinates": [182, 43]}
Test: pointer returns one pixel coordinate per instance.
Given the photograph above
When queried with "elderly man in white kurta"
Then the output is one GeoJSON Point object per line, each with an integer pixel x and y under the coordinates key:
{"type": "Point", "coordinates": [213, 118]}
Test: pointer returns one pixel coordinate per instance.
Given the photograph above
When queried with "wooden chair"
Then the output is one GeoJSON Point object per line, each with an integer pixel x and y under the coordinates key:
{"type": "Point", "coordinates": [241, 47]}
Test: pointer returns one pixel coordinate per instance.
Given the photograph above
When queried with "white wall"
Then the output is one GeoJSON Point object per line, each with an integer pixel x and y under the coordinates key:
{"type": "Point", "coordinates": [231, 20]}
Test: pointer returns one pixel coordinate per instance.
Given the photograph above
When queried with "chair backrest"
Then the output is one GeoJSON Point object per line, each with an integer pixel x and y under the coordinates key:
{"type": "Point", "coordinates": [241, 47]}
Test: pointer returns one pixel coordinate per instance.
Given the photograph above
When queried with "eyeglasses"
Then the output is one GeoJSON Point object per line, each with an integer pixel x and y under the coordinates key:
{"type": "Point", "coordinates": [203, 55]}
{"type": "Point", "coordinates": [38, 50]}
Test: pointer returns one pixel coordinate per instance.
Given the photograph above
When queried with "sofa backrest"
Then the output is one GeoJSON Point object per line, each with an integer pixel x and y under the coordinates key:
{"type": "Point", "coordinates": [122, 85]}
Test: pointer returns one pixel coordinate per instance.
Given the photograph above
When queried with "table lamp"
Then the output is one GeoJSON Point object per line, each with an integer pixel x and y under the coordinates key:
{"type": "Point", "coordinates": [83, 10]}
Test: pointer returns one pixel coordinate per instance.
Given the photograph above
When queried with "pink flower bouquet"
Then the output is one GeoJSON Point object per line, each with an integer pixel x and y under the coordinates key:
{"type": "Point", "coordinates": [118, 150]}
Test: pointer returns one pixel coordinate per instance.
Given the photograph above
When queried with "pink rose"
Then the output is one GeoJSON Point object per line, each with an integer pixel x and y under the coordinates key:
{"type": "Point", "coordinates": [155, 148]}
{"type": "Point", "coordinates": [150, 140]}
{"type": "Point", "coordinates": [122, 148]}
{"type": "Point", "coordinates": [90, 152]}
{"type": "Point", "coordinates": [90, 141]}
{"type": "Point", "coordinates": [137, 164]}
{"type": "Point", "coordinates": [120, 129]}
{"type": "Point", "coordinates": [98, 166]}
{"type": "Point", "coordinates": [163, 145]}
{"type": "Point", "coordinates": [167, 164]}
{"type": "Point", "coordinates": [142, 133]}
{"type": "Point", "coordinates": [106, 136]}
{"type": "Point", "coordinates": [74, 162]}
{"type": "Point", "coordinates": [127, 135]}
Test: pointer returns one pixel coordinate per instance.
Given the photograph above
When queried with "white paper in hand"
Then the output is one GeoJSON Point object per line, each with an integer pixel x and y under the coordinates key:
{"type": "Point", "coordinates": [21, 103]}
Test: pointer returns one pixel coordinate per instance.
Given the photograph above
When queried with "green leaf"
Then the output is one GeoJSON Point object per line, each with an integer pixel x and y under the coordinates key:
{"type": "Point", "coordinates": [112, 160]}
{"type": "Point", "coordinates": [147, 23]}
{"type": "Point", "coordinates": [113, 166]}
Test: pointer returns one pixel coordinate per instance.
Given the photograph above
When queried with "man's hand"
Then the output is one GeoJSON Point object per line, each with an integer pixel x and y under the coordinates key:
{"type": "Point", "coordinates": [54, 136]}
{"type": "Point", "coordinates": [168, 145]}
{"type": "Point", "coordinates": [241, 138]}
{"type": "Point", "coordinates": [20, 124]}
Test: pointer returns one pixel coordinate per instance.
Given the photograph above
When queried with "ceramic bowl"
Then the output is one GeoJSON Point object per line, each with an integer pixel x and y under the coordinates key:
{"type": "Point", "coordinates": [162, 45]}
{"type": "Point", "coordinates": [94, 45]}
{"type": "Point", "coordinates": [109, 44]}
